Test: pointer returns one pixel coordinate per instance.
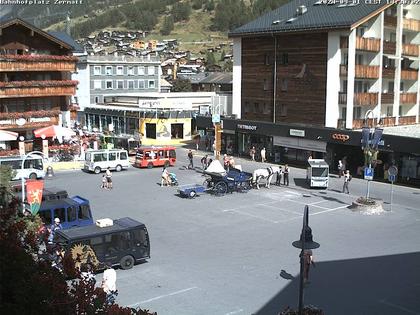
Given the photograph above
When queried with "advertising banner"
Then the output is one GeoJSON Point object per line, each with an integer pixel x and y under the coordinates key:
{"type": "Point", "coordinates": [34, 194]}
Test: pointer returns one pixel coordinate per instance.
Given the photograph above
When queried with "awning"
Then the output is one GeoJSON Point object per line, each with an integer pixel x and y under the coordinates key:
{"type": "Point", "coordinates": [302, 144]}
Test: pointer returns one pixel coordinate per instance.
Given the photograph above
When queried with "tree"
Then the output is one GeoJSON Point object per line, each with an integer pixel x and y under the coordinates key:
{"type": "Point", "coordinates": [181, 11]}
{"type": "Point", "coordinates": [168, 25]}
{"type": "Point", "coordinates": [181, 85]}
{"type": "Point", "coordinates": [211, 60]}
{"type": "Point", "coordinates": [228, 66]}
{"type": "Point", "coordinates": [222, 55]}
{"type": "Point", "coordinates": [209, 6]}
{"type": "Point", "coordinates": [197, 4]}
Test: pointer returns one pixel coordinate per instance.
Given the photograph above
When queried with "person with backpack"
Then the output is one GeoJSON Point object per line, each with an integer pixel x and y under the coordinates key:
{"type": "Point", "coordinates": [347, 179]}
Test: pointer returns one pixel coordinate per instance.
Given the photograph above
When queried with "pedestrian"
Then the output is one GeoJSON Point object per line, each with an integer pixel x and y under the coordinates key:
{"type": "Point", "coordinates": [109, 283]}
{"type": "Point", "coordinates": [165, 180]}
{"type": "Point", "coordinates": [286, 175]}
{"type": "Point", "coordinates": [108, 176]}
{"type": "Point", "coordinates": [231, 163]}
{"type": "Point", "coordinates": [104, 182]}
{"type": "Point", "coordinates": [278, 178]}
{"type": "Point", "coordinates": [308, 260]}
{"type": "Point", "coordinates": [252, 153]}
{"type": "Point", "coordinates": [190, 158]}
{"type": "Point", "coordinates": [263, 155]}
{"type": "Point", "coordinates": [347, 179]}
{"type": "Point", "coordinates": [53, 228]}
{"type": "Point", "coordinates": [207, 143]}
{"type": "Point", "coordinates": [226, 162]}
{"type": "Point", "coordinates": [340, 169]}
{"type": "Point", "coordinates": [197, 141]}
{"type": "Point", "coordinates": [204, 161]}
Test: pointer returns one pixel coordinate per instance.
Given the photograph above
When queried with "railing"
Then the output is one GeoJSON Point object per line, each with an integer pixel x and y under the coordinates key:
{"type": "Point", "coordinates": [341, 123]}
{"type": "Point", "coordinates": [411, 74]}
{"type": "Point", "coordinates": [388, 72]}
{"type": "Point", "coordinates": [410, 50]}
{"type": "Point", "coordinates": [37, 88]}
{"type": "Point", "coordinates": [30, 122]}
{"type": "Point", "coordinates": [407, 120]}
{"type": "Point", "coordinates": [389, 48]}
{"type": "Point", "coordinates": [411, 24]}
{"type": "Point", "coordinates": [387, 121]}
{"type": "Point", "coordinates": [408, 98]}
{"type": "Point", "coordinates": [368, 44]}
{"type": "Point", "coordinates": [342, 98]}
{"type": "Point", "coordinates": [366, 72]}
{"type": "Point", "coordinates": [360, 123]}
{"type": "Point", "coordinates": [37, 63]}
{"type": "Point", "coordinates": [387, 98]}
{"type": "Point", "coordinates": [366, 99]}
{"type": "Point", "coordinates": [390, 21]}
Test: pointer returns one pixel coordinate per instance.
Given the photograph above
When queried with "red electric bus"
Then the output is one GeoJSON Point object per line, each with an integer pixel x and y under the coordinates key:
{"type": "Point", "coordinates": [155, 156]}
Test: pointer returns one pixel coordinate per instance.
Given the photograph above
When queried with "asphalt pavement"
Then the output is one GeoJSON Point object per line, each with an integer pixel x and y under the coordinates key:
{"type": "Point", "coordinates": [233, 254]}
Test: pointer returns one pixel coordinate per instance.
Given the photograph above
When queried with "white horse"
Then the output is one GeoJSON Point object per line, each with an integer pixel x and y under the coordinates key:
{"type": "Point", "coordinates": [266, 173]}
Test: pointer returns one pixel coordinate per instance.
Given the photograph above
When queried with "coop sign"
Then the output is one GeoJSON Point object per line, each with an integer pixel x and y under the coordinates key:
{"type": "Point", "coordinates": [247, 127]}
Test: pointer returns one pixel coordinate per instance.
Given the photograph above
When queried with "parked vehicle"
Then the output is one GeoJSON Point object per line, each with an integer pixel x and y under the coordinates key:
{"type": "Point", "coordinates": [317, 174]}
{"type": "Point", "coordinates": [155, 156]}
{"type": "Point", "coordinates": [120, 142]}
{"type": "Point", "coordinates": [119, 242]}
{"type": "Point", "coordinates": [99, 160]}
{"type": "Point", "coordinates": [33, 167]}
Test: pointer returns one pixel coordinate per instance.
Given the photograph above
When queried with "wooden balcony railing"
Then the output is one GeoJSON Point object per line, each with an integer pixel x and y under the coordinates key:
{"type": "Point", "coordinates": [411, 74]}
{"type": "Point", "coordinates": [366, 99]}
{"type": "Point", "coordinates": [389, 48]}
{"type": "Point", "coordinates": [410, 50]}
{"type": "Point", "coordinates": [408, 98]}
{"type": "Point", "coordinates": [387, 98]}
{"type": "Point", "coordinates": [411, 24]}
{"type": "Point", "coordinates": [368, 44]}
{"type": "Point", "coordinates": [387, 121]}
{"type": "Point", "coordinates": [407, 120]}
{"type": "Point", "coordinates": [37, 88]}
{"type": "Point", "coordinates": [37, 63]}
{"type": "Point", "coordinates": [390, 21]}
{"type": "Point", "coordinates": [388, 72]}
{"type": "Point", "coordinates": [366, 72]}
{"type": "Point", "coordinates": [29, 122]}
{"type": "Point", "coordinates": [342, 98]}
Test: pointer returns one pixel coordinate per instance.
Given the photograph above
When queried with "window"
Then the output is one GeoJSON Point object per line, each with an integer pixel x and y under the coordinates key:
{"type": "Point", "coordinates": [112, 156]}
{"type": "Point", "coordinates": [120, 70]}
{"type": "Point", "coordinates": [247, 107]}
{"type": "Point", "coordinates": [96, 99]}
{"type": "Point", "coordinates": [256, 108]}
{"type": "Point", "coordinates": [283, 110]}
{"type": "Point", "coordinates": [125, 240]}
{"type": "Point", "coordinates": [108, 85]}
{"type": "Point", "coordinates": [123, 156]}
{"type": "Point", "coordinates": [146, 70]}
{"type": "Point", "coordinates": [84, 212]}
{"type": "Point", "coordinates": [345, 86]}
{"type": "Point", "coordinates": [108, 70]}
{"type": "Point", "coordinates": [266, 108]}
{"type": "Point", "coordinates": [345, 59]}
{"type": "Point", "coordinates": [177, 131]}
{"type": "Point", "coordinates": [60, 213]}
{"type": "Point", "coordinates": [97, 70]}
{"type": "Point", "coordinates": [401, 86]}
{"type": "Point", "coordinates": [357, 112]}
{"type": "Point", "coordinates": [265, 86]}
{"type": "Point", "coordinates": [140, 236]}
{"type": "Point", "coordinates": [360, 31]}
{"type": "Point", "coordinates": [97, 84]}
{"type": "Point", "coordinates": [151, 70]}
{"type": "Point", "coordinates": [400, 111]}
{"type": "Point", "coordinates": [359, 59]}
{"type": "Point", "coordinates": [389, 111]}
{"type": "Point", "coordinates": [130, 70]}
{"type": "Point", "coordinates": [71, 214]}
{"type": "Point", "coordinates": [391, 87]}
{"type": "Point", "coordinates": [285, 58]}
{"type": "Point", "coordinates": [130, 84]}
{"type": "Point", "coordinates": [393, 37]}
{"type": "Point", "coordinates": [141, 84]}
{"type": "Point", "coordinates": [267, 59]}
{"type": "Point", "coordinates": [343, 112]}
{"type": "Point", "coordinates": [151, 131]}
{"type": "Point", "coordinates": [151, 84]}
{"type": "Point", "coordinates": [141, 70]}
{"type": "Point", "coordinates": [120, 84]}
{"type": "Point", "coordinates": [284, 83]}
{"type": "Point", "coordinates": [100, 157]}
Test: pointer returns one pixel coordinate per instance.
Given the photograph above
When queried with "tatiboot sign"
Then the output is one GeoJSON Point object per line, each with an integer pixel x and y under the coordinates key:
{"type": "Point", "coordinates": [34, 194]}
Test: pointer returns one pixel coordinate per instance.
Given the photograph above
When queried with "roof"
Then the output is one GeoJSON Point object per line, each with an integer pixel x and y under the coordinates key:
{"type": "Point", "coordinates": [194, 78]}
{"type": "Point", "coordinates": [164, 83]}
{"type": "Point", "coordinates": [93, 230]}
{"type": "Point", "coordinates": [57, 203]}
{"type": "Point", "coordinates": [318, 16]}
{"type": "Point", "coordinates": [218, 78]}
{"type": "Point", "coordinates": [63, 36]}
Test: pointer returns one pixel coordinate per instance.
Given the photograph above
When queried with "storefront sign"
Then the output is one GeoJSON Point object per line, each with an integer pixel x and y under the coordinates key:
{"type": "Point", "coordinates": [39, 119]}
{"type": "Point", "coordinates": [246, 127]}
{"type": "Point", "coordinates": [5, 122]}
{"type": "Point", "coordinates": [297, 132]}
{"type": "Point", "coordinates": [340, 137]}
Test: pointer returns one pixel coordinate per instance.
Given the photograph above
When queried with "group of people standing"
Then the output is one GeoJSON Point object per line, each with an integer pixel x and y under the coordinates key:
{"type": "Point", "coordinates": [284, 172]}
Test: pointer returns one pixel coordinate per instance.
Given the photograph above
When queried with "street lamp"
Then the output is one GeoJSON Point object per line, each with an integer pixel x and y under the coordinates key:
{"type": "Point", "coordinates": [25, 156]}
{"type": "Point", "coordinates": [305, 242]}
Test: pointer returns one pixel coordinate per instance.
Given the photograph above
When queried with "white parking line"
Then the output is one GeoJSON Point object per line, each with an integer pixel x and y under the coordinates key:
{"type": "Point", "coordinates": [250, 215]}
{"type": "Point", "coordinates": [329, 210]}
{"type": "Point", "coordinates": [235, 312]}
{"type": "Point", "coordinates": [162, 296]}
{"type": "Point", "coordinates": [276, 207]}
{"type": "Point", "coordinates": [400, 308]}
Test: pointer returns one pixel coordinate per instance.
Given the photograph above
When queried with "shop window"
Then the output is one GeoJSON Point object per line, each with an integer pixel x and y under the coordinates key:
{"type": "Point", "coordinates": [151, 131]}
{"type": "Point", "coordinates": [177, 131]}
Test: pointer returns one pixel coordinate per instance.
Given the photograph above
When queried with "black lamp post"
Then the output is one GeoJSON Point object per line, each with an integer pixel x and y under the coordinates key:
{"type": "Point", "coordinates": [305, 242]}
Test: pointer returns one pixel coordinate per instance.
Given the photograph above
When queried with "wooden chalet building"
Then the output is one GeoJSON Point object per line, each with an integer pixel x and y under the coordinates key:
{"type": "Point", "coordinates": [35, 79]}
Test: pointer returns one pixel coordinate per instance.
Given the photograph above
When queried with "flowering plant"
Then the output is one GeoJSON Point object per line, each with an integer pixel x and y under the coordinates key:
{"type": "Point", "coordinates": [36, 58]}
{"type": "Point", "coordinates": [37, 113]}
{"type": "Point", "coordinates": [48, 83]}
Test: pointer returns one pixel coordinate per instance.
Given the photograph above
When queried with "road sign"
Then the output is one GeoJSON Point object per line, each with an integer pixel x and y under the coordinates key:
{"type": "Point", "coordinates": [393, 170]}
{"type": "Point", "coordinates": [215, 118]}
{"type": "Point", "coordinates": [369, 173]}
{"type": "Point", "coordinates": [391, 178]}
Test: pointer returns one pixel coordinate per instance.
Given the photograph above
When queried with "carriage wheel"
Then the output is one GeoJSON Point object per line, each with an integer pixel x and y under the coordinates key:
{"type": "Point", "coordinates": [207, 183]}
{"type": "Point", "coordinates": [220, 188]}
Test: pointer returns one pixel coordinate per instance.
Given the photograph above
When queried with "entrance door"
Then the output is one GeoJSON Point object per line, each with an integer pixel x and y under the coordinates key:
{"type": "Point", "coordinates": [151, 131]}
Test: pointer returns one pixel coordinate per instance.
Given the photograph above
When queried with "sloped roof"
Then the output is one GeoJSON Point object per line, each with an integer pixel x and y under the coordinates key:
{"type": "Point", "coordinates": [218, 78]}
{"type": "Point", "coordinates": [63, 36]}
{"type": "Point", "coordinates": [318, 16]}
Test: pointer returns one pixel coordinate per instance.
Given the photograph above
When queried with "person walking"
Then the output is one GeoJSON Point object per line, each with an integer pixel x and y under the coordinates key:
{"type": "Point", "coordinates": [252, 153]}
{"type": "Point", "coordinates": [165, 180]}
{"type": "Point", "coordinates": [263, 155]}
{"type": "Point", "coordinates": [109, 283]}
{"type": "Point", "coordinates": [204, 161]}
{"type": "Point", "coordinates": [108, 176]}
{"type": "Point", "coordinates": [347, 179]}
{"type": "Point", "coordinates": [190, 158]}
{"type": "Point", "coordinates": [286, 175]}
{"type": "Point", "coordinates": [340, 169]}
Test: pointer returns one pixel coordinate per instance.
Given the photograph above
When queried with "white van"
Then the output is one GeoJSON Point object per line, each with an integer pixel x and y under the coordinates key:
{"type": "Point", "coordinates": [99, 160]}
{"type": "Point", "coordinates": [33, 167]}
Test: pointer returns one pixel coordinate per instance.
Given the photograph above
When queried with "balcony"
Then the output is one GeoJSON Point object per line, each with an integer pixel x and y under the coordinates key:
{"type": "Point", "coordinates": [342, 98]}
{"type": "Point", "coordinates": [410, 50]}
{"type": "Point", "coordinates": [411, 74]}
{"type": "Point", "coordinates": [31, 119]}
{"type": "Point", "coordinates": [360, 99]}
{"type": "Point", "coordinates": [366, 72]}
{"type": "Point", "coordinates": [367, 44]}
{"type": "Point", "coordinates": [343, 70]}
{"type": "Point", "coordinates": [407, 120]}
{"type": "Point", "coordinates": [13, 63]}
{"type": "Point", "coordinates": [37, 88]}
{"type": "Point", "coordinates": [408, 98]}
{"type": "Point", "coordinates": [389, 48]}
{"type": "Point", "coordinates": [387, 98]}
{"type": "Point", "coordinates": [390, 21]}
{"type": "Point", "coordinates": [388, 72]}
{"type": "Point", "coordinates": [411, 25]}
{"type": "Point", "coordinates": [387, 121]}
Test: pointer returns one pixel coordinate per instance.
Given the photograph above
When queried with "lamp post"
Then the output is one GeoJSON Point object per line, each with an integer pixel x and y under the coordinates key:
{"type": "Point", "coordinates": [305, 242]}
{"type": "Point", "coordinates": [217, 130]}
{"type": "Point", "coordinates": [23, 177]}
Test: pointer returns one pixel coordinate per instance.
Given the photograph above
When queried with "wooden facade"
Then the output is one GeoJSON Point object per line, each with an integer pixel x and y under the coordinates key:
{"type": "Point", "coordinates": [299, 91]}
